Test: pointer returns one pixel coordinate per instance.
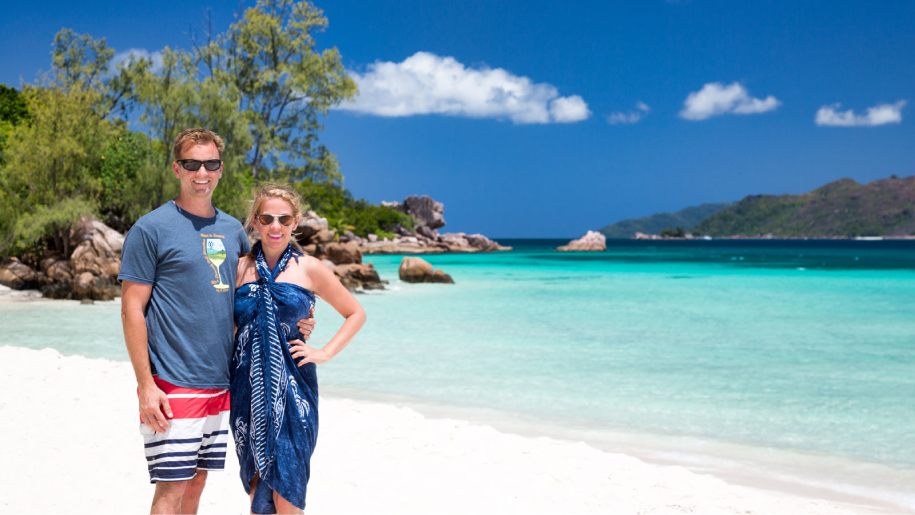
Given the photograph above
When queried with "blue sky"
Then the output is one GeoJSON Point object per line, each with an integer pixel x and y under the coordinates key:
{"type": "Point", "coordinates": [558, 117]}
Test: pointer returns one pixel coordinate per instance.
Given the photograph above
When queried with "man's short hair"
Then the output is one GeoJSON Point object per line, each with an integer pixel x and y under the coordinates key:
{"type": "Point", "coordinates": [196, 136]}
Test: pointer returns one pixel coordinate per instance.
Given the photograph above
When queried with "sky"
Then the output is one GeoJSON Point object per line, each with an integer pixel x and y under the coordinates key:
{"type": "Point", "coordinates": [546, 119]}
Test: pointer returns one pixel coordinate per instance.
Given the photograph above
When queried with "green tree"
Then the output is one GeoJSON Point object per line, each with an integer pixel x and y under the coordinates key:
{"type": "Point", "coordinates": [50, 171]}
{"type": "Point", "coordinates": [13, 111]}
{"type": "Point", "coordinates": [261, 85]}
{"type": "Point", "coordinates": [269, 57]}
{"type": "Point", "coordinates": [177, 96]}
{"type": "Point", "coordinates": [129, 169]}
{"type": "Point", "coordinates": [80, 61]}
{"type": "Point", "coordinates": [13, 108]}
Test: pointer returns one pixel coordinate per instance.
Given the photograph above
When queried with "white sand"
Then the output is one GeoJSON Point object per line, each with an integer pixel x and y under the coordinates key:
{"type": "Point", "coordinates": [70, 445]}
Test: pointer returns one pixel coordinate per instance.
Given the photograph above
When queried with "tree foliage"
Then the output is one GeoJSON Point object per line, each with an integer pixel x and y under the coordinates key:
{"type": "Point", "coordinates": [654, 224]}
{"type": "Point", "coordinates": [81, 62]}
{"type": "Point", "coordinates": [13, 111]}
{"type": "Point", "coordinates": [92, 137]}
{"type": "Point", "coordinates": [344, 213]}
{"type": "Point", "coordinates": [13, 108]}
{"type": "Point", "coordinates": [841, 208]}
{"type": "Point", "coordinates": [261, 85]}
{"type": "Point", "coordinates": [676, 232]}
{"type": "Point", "coordinates": [51, 166]}
{"type": "Point", "coordinates": [173, 96]}
{"type": "Point", "coordinates": [269, 57]}
{"type": "Point", "coordinates": [129, 172]}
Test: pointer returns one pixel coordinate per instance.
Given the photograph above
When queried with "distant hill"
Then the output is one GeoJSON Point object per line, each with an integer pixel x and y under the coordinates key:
{"type": "Point", "coordinates": [843, 208]}
{"type": "Point", "coordinates": [654, 224]}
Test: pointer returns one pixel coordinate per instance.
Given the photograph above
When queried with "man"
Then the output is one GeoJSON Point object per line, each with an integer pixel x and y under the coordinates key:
{"type": "Point", "coordinates": [178, 270]}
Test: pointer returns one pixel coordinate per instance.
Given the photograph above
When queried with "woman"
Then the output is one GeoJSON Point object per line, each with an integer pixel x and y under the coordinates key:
{"type": "Point", "coordinates": [274, 388]}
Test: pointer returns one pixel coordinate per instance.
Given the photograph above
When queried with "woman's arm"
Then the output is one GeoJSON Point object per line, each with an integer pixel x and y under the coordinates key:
{"type": "Point", "coordinates": [326, 285]}
{"type": "Point", "coordinates": [241, 270]}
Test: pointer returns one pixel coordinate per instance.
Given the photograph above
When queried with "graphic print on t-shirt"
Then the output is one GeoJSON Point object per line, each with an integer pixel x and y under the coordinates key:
{"type": "Point", "coordinates": [215, 253]}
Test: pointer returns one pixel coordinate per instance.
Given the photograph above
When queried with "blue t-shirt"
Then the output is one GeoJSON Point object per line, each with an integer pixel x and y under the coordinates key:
{"type": "Point", "coordinates": [190, 262]}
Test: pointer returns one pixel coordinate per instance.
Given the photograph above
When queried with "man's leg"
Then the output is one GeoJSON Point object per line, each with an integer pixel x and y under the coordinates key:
{"type": "Point", "coordinates": [194, 442]}
{"type": "Point", "coordinates": [191, 498]}
{"type": "Point", "coordinates": [167, 499]}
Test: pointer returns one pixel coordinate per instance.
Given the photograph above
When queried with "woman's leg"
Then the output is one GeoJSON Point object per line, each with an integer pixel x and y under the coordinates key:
{"type": "Point", "coordinates": [252, 488]}
{"type": "Point", "coordinates": [285, 507]}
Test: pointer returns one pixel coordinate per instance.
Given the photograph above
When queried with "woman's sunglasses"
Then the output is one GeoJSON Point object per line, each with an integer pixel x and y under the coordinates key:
{"type": "Point", "coordinates": [266, 219]}
{"type": "Point", "coordinates": [192, 165]}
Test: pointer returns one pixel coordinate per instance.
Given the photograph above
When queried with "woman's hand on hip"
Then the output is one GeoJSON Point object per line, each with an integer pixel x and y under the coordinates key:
{"type": "Point", "coordinates": [303, 354]}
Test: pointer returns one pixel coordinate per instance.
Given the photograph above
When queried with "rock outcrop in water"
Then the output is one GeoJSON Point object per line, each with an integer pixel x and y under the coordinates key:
{"type": "Point", "coordinates": [92, 268]}
{"type": "Point", "coordinates": [591, 241]}
{"type": "Point", "coordinates": [359, 276]}
{"type": "Point", "coordinates": [90, 272]}
{"type": "Point", "coordinates": [428, 216]}
{"type": "Point", "coordinates": [17, 275]}
{"type": "Point", "coordinates": [418, 270]}
{"type": "Point", "coordinates": [427, 213]}
{"type": "Point", "coordinates": [316, 238]}
{"type": "Point", "coordinates": [96, 261]}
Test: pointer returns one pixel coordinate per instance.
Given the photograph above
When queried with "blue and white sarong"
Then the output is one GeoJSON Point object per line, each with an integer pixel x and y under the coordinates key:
{"type": "Point", "coordinates": [274, 403]}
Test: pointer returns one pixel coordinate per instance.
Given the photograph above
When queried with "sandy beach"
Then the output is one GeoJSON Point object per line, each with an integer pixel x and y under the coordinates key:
{"type": "Point", "coordinates": [72, 446]}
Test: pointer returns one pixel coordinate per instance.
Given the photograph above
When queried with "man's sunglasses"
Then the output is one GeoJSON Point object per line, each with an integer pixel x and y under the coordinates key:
{"type": "Point", "coordinates": [192, 165]}
{"type": "Point", "coordinates": [266, 219]}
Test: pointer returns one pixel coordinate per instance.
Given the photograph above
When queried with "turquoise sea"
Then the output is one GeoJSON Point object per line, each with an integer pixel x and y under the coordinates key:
{"type": "Point", "coordinates": [791, 362]}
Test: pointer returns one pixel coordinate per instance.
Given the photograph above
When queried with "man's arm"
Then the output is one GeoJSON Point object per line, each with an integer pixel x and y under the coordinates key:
{"type": "Point", "coordinates": [154, 408]}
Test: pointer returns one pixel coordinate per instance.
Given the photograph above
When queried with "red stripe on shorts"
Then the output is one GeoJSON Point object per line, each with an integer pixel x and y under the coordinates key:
{"type": "Point", "coordinates": [194, 402]}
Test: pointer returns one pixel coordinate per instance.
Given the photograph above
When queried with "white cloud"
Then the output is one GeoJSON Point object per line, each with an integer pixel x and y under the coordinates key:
{"type": "Point", "coordinates": [629, 117]}
{"type": "Point", "coordinates": [878, 115]}
{"type": "Point", "coordinates": [426, 83]}
{"type": "Point", "coordinates": [569, 109]}
{"type": "Point", "coordinates": [715, 99]}
{"type": "Point", "coordinates": [135, 54]}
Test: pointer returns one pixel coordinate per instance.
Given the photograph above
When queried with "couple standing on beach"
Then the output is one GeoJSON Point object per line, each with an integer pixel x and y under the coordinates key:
{"type": "Point", "coordinates": [189, 276]}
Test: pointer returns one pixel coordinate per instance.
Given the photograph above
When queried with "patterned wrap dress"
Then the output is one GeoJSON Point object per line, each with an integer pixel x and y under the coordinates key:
{"type": "Point", "coordinates": [274, 403]}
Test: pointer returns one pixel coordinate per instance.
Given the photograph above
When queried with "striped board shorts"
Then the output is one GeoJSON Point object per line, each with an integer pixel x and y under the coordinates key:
{"type": "Point", "coordinates": [197, 434]}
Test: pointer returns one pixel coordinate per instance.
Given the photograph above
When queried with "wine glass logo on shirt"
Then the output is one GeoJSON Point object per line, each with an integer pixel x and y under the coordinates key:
{"type": "Point", "coordinates": [216, 255]}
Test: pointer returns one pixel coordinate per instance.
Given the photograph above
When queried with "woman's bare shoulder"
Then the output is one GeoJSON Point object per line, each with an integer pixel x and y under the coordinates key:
{"type": "Point", "coordinates": [245, 262]}
{"type": "Point", "coordinates": [246, 269]}
{"type": "Point", "coordinates": [310, 261]}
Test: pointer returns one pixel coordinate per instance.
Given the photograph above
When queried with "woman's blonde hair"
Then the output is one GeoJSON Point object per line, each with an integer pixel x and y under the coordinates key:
{"type": "Point", "coordinates": [280, 191]}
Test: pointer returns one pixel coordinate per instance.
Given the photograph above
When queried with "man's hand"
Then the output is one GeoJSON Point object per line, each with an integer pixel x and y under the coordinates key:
{"type": "Point", "coordinates": [306, 325]}
{"type": "Point", "coordinates": [154, 408]}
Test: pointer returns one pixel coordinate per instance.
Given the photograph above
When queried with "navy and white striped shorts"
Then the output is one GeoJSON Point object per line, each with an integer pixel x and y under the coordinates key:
{"type": "Point", "coordinates": [196, 438]}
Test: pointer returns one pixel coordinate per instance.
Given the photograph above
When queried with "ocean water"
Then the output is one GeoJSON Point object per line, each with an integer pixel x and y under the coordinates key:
{"type": "Point", "coordinates": [790, 358]}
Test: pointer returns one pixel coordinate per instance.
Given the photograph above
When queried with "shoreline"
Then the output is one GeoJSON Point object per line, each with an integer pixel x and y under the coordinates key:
{"type": "Point", "coordinates": [799, 473]}
{"type": "Point", "coordinates": [792, 472]}
{"type": "Point", "coordinates": [379, 457]}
